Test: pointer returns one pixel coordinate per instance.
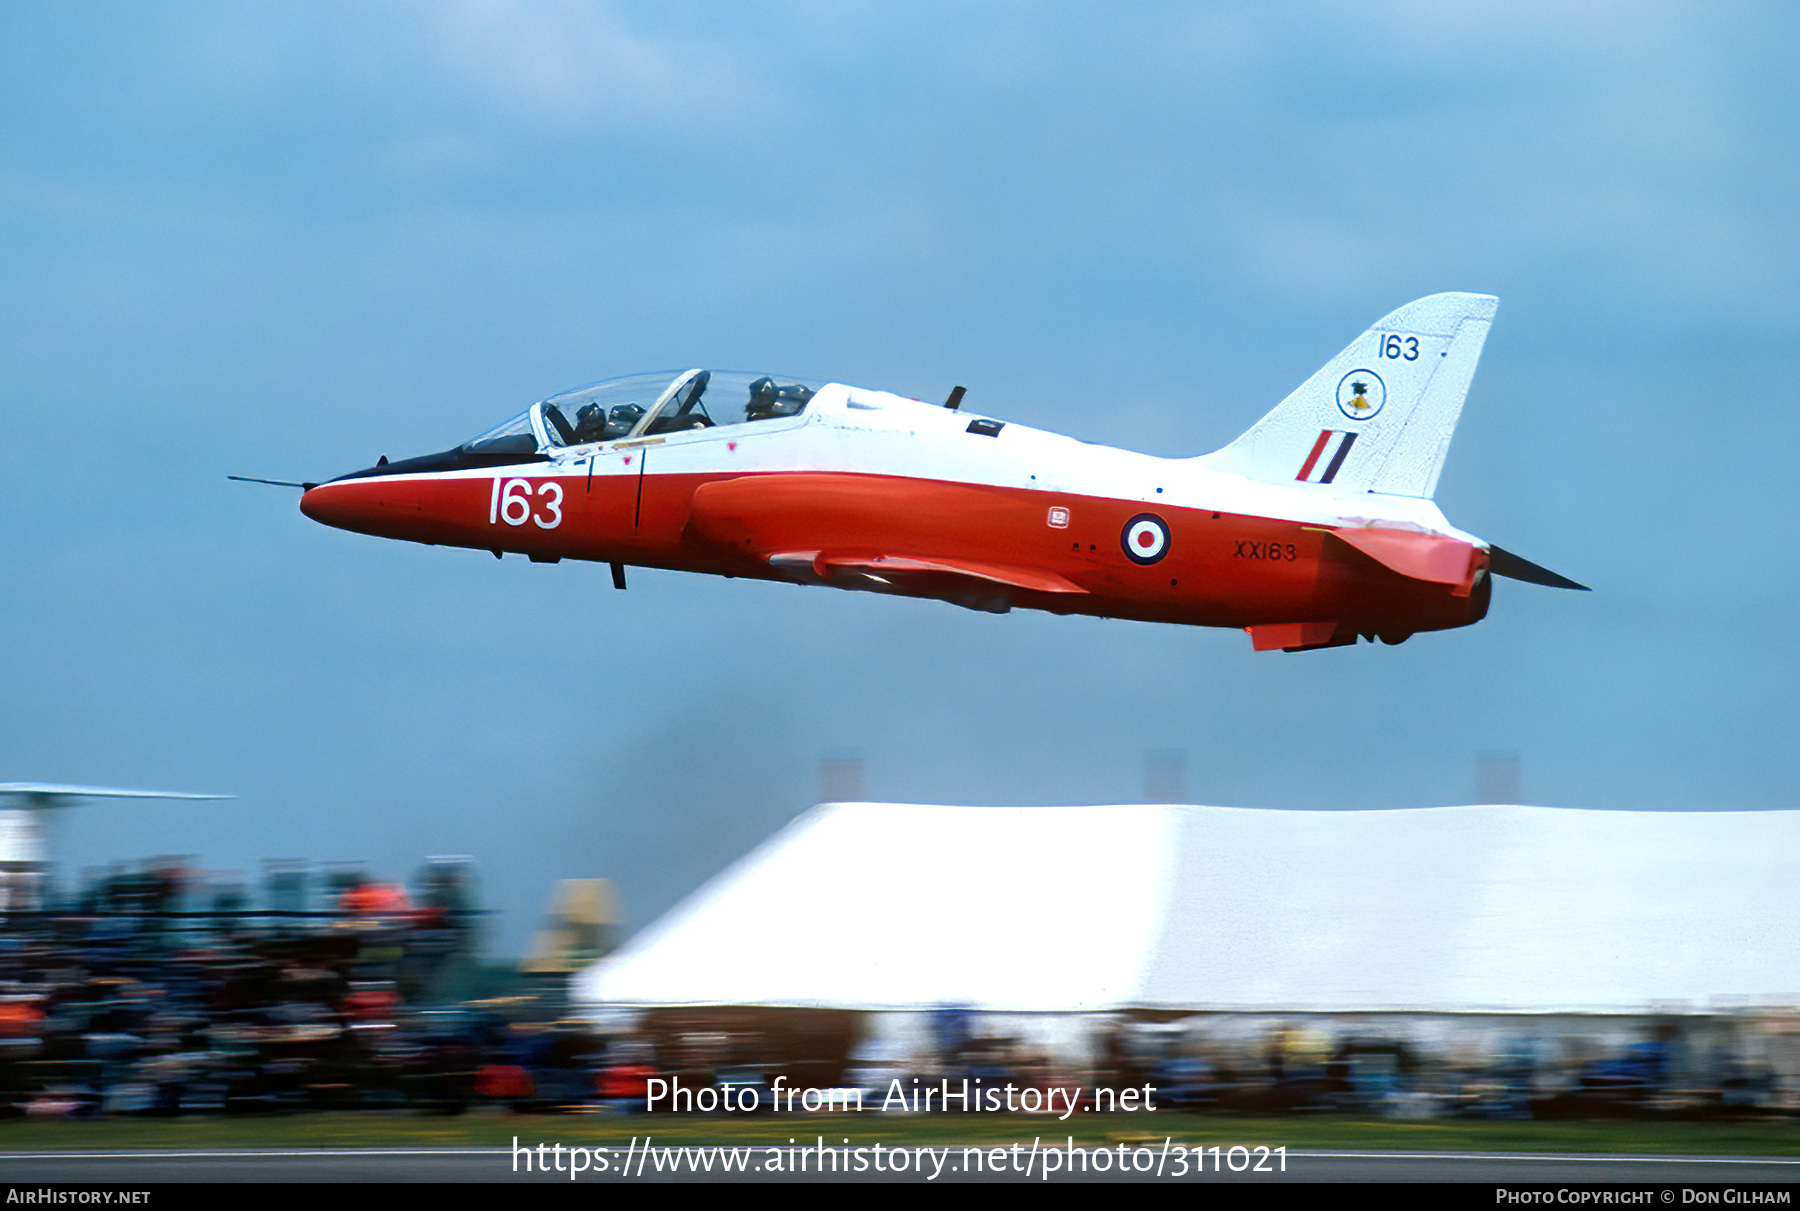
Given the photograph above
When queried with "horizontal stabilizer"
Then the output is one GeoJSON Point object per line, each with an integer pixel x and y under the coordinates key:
{"type": "Point", "coordinates": [1505, 563]}
{"type": "Point", "coordinates": [1429, 557]}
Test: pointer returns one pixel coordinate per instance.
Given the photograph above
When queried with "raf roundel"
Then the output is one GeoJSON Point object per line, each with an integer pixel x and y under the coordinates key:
{"type": "Point", "coordinates": [1145, 538]}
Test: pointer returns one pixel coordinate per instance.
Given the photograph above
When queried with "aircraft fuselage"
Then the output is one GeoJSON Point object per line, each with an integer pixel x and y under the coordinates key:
{"type": "Point", "coordinates": [875, 491]}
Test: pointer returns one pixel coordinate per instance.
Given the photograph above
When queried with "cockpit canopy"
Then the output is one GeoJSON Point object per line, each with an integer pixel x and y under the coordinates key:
{"type": "Point", "coordinates": [643, 405]}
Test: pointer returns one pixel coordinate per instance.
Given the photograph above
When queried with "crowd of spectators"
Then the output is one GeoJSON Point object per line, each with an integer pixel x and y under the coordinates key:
{"type": "Point", "coordinates": [1699, 1066]}
{"type": "Point", "coordinates": [151, 994]}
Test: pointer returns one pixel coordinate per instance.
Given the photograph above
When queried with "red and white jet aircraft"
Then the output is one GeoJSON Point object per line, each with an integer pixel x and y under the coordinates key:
{"type": "Point", "coordinates": [1315, 527]}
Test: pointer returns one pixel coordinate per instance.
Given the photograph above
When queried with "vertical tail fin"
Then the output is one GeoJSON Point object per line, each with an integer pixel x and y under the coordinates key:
{"type": "Point", "coordinates": [1379, 416]}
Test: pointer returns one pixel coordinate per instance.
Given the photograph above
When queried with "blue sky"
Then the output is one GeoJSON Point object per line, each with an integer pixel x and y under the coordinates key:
{"type": "Point", "coordinates": [281, 240]}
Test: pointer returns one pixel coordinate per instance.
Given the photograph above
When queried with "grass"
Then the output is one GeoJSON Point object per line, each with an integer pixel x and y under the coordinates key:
{"type": "Point", "coordinates": [495, 1129]}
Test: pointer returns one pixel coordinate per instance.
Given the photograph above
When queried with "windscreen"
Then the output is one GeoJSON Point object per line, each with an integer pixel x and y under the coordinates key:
{"type": "Point", "coordinates": [513, 437]}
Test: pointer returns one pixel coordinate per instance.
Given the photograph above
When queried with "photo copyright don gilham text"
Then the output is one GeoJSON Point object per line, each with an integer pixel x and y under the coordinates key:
{"type": "Point", "coordinates": [961, 1096]}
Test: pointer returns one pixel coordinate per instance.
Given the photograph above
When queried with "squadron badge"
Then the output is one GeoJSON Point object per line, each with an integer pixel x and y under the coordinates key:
{"type": "Point", "coordinates": [1360, 394]}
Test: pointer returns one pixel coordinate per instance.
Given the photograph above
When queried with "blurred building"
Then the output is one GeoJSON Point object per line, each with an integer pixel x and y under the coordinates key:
{"type": "Point", "coordinates": [24, 807]}
{"type": "Point", "coordinates": [579, 927]}
{"type": "Point", "coordinates": [1458, 925]}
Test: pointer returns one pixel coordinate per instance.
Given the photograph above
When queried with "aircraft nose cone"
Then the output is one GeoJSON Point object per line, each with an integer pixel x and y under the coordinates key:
{"type": "Point", "coordinates": [326, 504]}
{"type": "Point", "coordinates": [362, 505]}
{"type": "Point", "coordinates": [419, 509]}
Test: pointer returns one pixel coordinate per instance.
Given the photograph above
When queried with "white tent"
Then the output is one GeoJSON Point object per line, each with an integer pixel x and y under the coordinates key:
{"type": "Point", "coordinates": [1083, 909]}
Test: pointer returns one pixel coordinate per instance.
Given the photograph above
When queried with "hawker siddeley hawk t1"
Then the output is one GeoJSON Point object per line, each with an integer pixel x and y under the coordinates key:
{"type": "Point", "coordinates": [1314, 528]}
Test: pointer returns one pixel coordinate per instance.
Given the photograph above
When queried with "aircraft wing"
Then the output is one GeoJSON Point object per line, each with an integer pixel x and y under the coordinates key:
{"type": "Point", "coordinates": [831, 529]}
{"type": "Point", "coordinates": [47, 794]}
{"type": "Point", "coordinates": [977, 585]}
{"type": "Point", "coordinates": [901, 566]}
{"type": "Point", "coordinates": [1443, 560]}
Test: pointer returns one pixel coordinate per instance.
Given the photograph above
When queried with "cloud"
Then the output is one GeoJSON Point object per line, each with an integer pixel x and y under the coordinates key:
{"type": "Point", "coordinates": [581, 64]}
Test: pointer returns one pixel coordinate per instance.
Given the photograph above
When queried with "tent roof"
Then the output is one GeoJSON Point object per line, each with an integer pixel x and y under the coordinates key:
{"type": "Point", "coordinates": [1048, 909]}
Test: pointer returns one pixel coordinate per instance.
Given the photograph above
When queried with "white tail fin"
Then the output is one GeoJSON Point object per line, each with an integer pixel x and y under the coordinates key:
{"type": "Point", "coordinates": [1379, 416]}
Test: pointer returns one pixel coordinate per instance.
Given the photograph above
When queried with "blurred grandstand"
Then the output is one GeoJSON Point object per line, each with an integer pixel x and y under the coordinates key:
{"type": "Point", "coordinates": [156, 990]}
{"type": "Point", "coordinates": [1494, 962]}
